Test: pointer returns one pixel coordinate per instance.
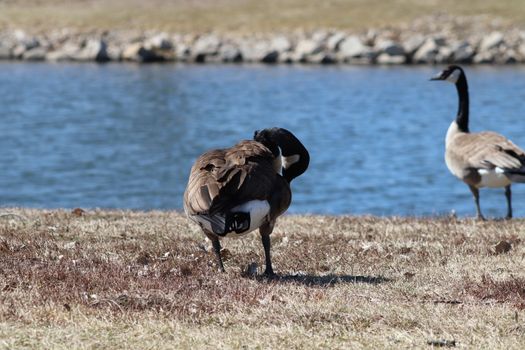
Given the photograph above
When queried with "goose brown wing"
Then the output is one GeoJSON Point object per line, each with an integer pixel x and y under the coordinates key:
{"type": "Point", "coordinates": [202, 185]}
{"type": "Point", "coordinates": [220, 180]}
{"type": "Point", "coordinates": [487, 150]}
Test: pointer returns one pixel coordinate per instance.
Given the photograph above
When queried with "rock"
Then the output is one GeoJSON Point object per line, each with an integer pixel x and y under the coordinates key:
{"type": "Point", "coordinates": [427, 52]}
{"type": "Point", "coordinates": [507, 56]}
{"type": "Point", "coordinates": [35, 54]}
{"type": "Point", "coordinates": [131, 52]}
{"type": "Point", "coordinates": [230, 53]}
{"type": "Point", "coordinates": [413, 43]}
{"type": "Point", "coordinates": [182, 52]}
{"type": "Point", "coordinates": [270, 57]}
{"type": "Point", "coordinates": [281, 44]}
{"type": "Point", "coordinates": [320, 36]}
{"type": "Point", "coordinates": [484, 57]}
{"type": "Point", "coordinates": [18, 51]}
{"type": "Point", "coordinates": [390, 52]}
{"type": "Point", "coordinates": [462, 52]}
{"type": "Point", "coordinates": [390, 48]}
{"type": "Point", "coordinates": [307, 47]}
{"type": "Point", "coordinates": [159, 41]}
{"type": "Point", "coordinates": [322, 58]}
{"type": "Point", "coordinates": [258, 51]}
{"type": "Point", "coordinates": [5, 52]}
{"type": "Point", "coordinates": [353, 47]}
{"type": "Point", "coordinates": [138, 53]}
{"type": "Point", "coordinates": [444, 55]}
{"type": "Point", "coordinates": [114, 52]}
{"type": "Point", "coordinates": [334, 41]}
{"type": "Point", "coordinates": [287, 57]}
{"type": "Point", "coordinates": [206, 45]}
{"type": "Point", "coordinates": [385, 58]}
{"type": "Point", "coordinates": [64, 53]}
{"type": "Point", "coordinates": [493, 40]}
{"type": "Point", "coordinates": [93, 50]}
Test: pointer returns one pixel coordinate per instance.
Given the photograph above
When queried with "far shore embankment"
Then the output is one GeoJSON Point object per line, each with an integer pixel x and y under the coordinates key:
{"type": "Point", "coordinates": [438, 39]}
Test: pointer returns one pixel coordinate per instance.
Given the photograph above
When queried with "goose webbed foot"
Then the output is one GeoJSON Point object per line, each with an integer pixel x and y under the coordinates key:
{"type": "Point", "coordinates": [268, 273]}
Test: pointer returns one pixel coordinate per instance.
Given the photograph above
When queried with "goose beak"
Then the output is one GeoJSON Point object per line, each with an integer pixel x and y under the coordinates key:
{"type": "Point", "coordinates": [438, 76]}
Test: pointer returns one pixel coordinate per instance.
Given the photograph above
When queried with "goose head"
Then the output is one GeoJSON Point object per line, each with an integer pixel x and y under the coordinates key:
{"type": "Point", "coordinates": [294, 158]}
{"type": "Point", "coordinates": [451, 74]}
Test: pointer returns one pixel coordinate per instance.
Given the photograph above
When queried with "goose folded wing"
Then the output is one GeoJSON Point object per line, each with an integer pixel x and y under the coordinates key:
{"type": "Point", "coordinates": [493, 150]}
{"type": "Point", "coordinates": [203, 186]}
{"type": "Point", "coordinates": [222, 179]}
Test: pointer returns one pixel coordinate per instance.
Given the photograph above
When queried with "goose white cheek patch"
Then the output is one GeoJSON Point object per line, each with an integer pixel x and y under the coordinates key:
{"type": "Point", "coordinates": [454, 76]}
{"type": "Point", "coordinates": [290, 160]}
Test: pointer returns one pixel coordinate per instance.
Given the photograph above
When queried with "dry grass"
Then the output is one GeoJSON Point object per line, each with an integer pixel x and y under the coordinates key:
{"type": "Point", "coordinates": [239, 15]}
{"type": "Point", "coordinates": [119, 279]}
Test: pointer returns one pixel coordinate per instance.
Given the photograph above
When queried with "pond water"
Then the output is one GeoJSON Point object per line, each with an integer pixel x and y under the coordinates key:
{"type": "Point", "coordinates": [125, 136]}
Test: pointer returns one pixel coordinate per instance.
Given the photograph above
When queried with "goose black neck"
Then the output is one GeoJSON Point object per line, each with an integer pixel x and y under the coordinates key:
{"type": "Point", "coordinates": [462, 117]}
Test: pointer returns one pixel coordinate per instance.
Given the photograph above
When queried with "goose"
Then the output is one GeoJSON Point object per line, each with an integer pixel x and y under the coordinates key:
{"type": "Point", "coordinates": [236, 190]}
{"type": "Point", "coordinates": [482, 159]}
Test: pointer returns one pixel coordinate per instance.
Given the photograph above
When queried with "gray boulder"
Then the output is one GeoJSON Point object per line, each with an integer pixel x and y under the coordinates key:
{"type": "Point", "coordinates": [160, 41]}
{"type": "Point", "coordinates": [322, 58]}
{"type": "Point", "coordinates": [92, 50]}
{"type": "Point", "coordinates": [182, 52]}
{"type": "Point", "coordinates": [281, 44]}
{"type": "Point", "coordinates": [230, 53]}
{"type": "Point", "coordinates": [413, 43]}
{"type": "Point", "coordinates": [334, 41]}
{"type": "Point", "coordinates": [353, 47]}
{"type": "Point", "coordinates": [462, 52]}
{"type": "Point", "coordinates": [444, 55]}
{"type": "Point", "coordinates": [138, 53]}
{"type": "Point", "coordinates": [428, 52]}
{"type": "Point", "coordinates": [390, 48]}
{"type": "Point", "coordinates": [114, 52]}
{"type": "Point", "coordinates": [307, 47]}
{"type": "Point", "coordinates": [491, 41]}
{"type": "Point", "coordinates": [258, 51]}
{"type": "Point", "coordinates": [63, 53]}
{"type": "Point", "coordinates": [206, 45]}
{"type": "Point", "coordinates": [18, 51]}
{"type": "Point", "coordinates": [484, 57]}
{"type": "Point", "coordinates": [35, 54]}
{"type": "Point", "coordinates": [5, 52]}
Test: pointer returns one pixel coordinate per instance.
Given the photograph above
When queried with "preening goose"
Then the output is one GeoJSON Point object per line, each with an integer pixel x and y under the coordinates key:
{"type": "Point", "coordinates": [483, 159]}
{"type": "Point", "coordinates": [236, 190]}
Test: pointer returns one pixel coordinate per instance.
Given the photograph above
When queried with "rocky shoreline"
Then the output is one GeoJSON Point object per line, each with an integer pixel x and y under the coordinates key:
{"type": "Point", "coordinates": [438, 39]}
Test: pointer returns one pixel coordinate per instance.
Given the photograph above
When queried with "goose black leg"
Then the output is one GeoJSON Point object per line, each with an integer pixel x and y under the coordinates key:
{"type": "Point", "coordinates": [508, 195]}
{"type": "Point", "coordinates": [475, 193]}
{"type": "Point", "coordinates": [265, 231]}
{"type": "Point", "coordinates": [217, 248]}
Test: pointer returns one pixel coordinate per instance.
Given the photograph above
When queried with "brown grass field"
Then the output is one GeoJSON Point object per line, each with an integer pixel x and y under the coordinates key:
{"type": "Point", "coordinates": [240, 15]}
{"type": "Point", "coordinates": [147, 280]}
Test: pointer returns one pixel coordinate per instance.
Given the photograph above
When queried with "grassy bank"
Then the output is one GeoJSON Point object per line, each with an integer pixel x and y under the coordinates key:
{"type": "Point", "coordinates": [239, 15]}
{"type": "Point", "coordinates": [112, 279]}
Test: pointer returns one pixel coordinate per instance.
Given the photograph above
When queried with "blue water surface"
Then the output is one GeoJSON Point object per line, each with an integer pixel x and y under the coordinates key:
{"type": "Point", "coordinates": [125, 136]}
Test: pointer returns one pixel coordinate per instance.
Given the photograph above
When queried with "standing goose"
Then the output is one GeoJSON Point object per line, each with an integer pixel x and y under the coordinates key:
{"type": "Point", "coordinates": [483, 159]}
{"type": "Point", "coordinates": [236, 190]}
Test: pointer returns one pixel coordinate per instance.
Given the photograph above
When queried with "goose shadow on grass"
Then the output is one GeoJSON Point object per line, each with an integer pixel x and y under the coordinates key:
{"type": "Point", "coordinates": [324, 280]}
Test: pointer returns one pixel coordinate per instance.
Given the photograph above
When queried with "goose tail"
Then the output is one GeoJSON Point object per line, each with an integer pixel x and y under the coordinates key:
{"type": "Point", "coordinates": [516, 175]}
